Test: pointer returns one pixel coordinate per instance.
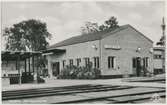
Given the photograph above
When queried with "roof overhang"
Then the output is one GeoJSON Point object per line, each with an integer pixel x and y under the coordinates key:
{"type": "Point", "coordinates": [14, 55]}
{"type": "Point", "coordinates": [159, 48]}
{"type": "Point", "coordinates": [53, 51]}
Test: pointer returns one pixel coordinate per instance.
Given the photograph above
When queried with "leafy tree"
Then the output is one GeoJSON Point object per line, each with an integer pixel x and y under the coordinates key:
{"type": "Point", "coordinates": [109, 24]}
{"type": "Point", "coordinates": [102, 27]}
{"type": "Point", "coordinates": [91, 27]}
{"type": "Point", "coordinates": [27, 35]}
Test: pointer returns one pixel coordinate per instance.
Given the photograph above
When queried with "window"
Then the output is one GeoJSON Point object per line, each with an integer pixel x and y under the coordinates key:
{"type": "Point", "coordinates": [5, 63]}
{"type": "Point", "coordinates": [71, 62]}
{"type": "Point", "coordinates": [134, 62]}
{"type": "Point", "coordinates": [145, 62]}
{"type": "Point", "coordinates": [96, 62]}
{"type": "Point", "coordinates": [157, 56]}
{"type": "Point", "coordinates": [87, 60]}
{"type": "Point", "coordinates": [78, 61]}
{"type": "Point", "coordinates": [111, 61]}
{"type": "Point", "coordinates": [64, 63]}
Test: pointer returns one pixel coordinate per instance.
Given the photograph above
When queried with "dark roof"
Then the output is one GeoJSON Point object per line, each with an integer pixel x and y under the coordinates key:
{"type": "Point", "coordinates": [159, 48]}
{"type": "Point", "coordinates": [14, 55]}
{"type": "Point", "coordinates": [89, 37]}
{"type": "Point", "coordinates": [54, 51]}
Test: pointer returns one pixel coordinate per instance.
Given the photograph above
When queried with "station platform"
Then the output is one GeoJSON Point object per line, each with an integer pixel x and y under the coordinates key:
{"type": "Point", "coordinates": [63, 82]}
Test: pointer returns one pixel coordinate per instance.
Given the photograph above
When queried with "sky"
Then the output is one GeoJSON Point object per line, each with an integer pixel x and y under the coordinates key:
{"type": "Point", "coordinates": [64, 19]}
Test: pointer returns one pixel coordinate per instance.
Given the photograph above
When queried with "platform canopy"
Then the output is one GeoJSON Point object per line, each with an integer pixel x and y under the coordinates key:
{"type": "Point", "coordinates": [159, 48]}
{"type": "Point", "coordinates": [53, 51]}
{"type": "Point", "coordinates": [13, 55]}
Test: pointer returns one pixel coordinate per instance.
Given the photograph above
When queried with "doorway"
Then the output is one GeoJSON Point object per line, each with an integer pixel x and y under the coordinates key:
{"type": "Point", "coordinates": [140, 66]}
{"type": "Point", "coordinates": [56, 68]}
{"type": "Point", "coordinates": [137, 68]}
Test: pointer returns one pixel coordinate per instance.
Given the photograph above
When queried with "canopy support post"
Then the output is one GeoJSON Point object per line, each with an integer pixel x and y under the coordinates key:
{"type": "Point", "coordinates": [18, 67]}
{"type": "Point", "coordinates": [33, 63]}
{"type": "Point", "coordinates": [29, 64]}
{"type": "Point", "coordinates": [25, 65]}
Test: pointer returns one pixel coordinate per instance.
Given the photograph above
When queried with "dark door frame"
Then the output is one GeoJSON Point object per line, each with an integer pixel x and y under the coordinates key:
{"type": "Point", "coordinates": [56, 68]}
{"type": "Point", "coordinates": [136, 65]}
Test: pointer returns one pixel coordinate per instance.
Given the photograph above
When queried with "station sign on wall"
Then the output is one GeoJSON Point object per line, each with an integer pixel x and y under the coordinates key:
{"type": "Point", "coordinates": [114, 47]}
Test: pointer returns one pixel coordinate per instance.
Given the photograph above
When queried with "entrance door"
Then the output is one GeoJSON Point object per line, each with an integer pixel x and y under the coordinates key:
{"type": "Point", "coordinates": [56, 68]}
{"type": "Point", "coordinates": [137, 66]}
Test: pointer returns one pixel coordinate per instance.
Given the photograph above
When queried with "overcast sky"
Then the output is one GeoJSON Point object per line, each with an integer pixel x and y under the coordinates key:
{"type": "Point", "coordinates": [64, 19]}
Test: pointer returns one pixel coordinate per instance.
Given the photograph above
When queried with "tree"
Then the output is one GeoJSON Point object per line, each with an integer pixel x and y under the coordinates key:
{"type": "Point", "coordinates": [27, 35]}
{"type": "Point", "coordinates": [109, 24]}
{"type": "Point", "coordinates": [91, 27]}
{"type": "Point", "coordinates": [102, 27]}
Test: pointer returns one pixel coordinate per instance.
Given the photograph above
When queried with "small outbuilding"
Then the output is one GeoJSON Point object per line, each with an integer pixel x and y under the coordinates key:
{"type": "Point", "coordinates": [159, 60]}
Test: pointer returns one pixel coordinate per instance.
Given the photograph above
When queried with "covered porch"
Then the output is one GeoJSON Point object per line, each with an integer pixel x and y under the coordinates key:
{"type": "Point", "coordinates": [19, 67]}
{"type": "Point", "coordinates": [53, 66]}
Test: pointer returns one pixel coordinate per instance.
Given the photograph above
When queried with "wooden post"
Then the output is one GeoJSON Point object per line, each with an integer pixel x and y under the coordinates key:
{"type": "Point", "coordinates": [16, 64]}
{"type": "Point", "coordinates": [25, 65]}
{"type": "Point", "coordinates": [18, 67]}
{"type": "Point", "coordinates": [37, 60]}
{"type": "Point", "coordinates": [36, 70]}
{"type": "Point", "coordinates": [33, 63]}
{"type": "Point", "coordinates": [29, 64]}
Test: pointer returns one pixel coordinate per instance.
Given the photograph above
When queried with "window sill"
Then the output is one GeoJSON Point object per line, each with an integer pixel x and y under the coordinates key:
{"type": "Point", "coordinates": [112, 68]}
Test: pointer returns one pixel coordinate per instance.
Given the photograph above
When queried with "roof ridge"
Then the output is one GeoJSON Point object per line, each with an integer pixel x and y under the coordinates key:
{"type": "Point", "coordinates": [92, 36]}
{"type": "Point", "coordinates": [116, 30]}
{"type": "Point", "coordinates": [141, 33]}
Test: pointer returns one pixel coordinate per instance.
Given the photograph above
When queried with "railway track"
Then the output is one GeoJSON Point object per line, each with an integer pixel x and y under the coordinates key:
{"type": "Point", "coordinates": [127, 98]}
{"type": "Point", "coordinates": [86, 94]}
{"type": "Point", "coordinates": [18, 94]}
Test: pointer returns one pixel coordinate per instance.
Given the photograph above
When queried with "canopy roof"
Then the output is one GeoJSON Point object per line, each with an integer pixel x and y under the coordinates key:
{"type": "Point", "coordinates": [159, 48]}
{"type": "Point", "coordinates": [54, 51]}
{"type": "Point", "coordinates": [14, 55]}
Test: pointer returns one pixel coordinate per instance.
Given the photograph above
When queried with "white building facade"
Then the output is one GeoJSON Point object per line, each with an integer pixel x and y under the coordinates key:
{"type": "Point", "coordinates": [123, 51]}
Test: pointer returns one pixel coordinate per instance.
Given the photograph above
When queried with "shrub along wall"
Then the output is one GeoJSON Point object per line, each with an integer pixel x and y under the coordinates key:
{"type": "Point", "coordinates": [75, 72]}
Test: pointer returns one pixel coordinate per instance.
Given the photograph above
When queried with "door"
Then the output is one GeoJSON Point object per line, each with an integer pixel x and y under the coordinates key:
{"type": "Point", "coordinates": [56, 68]}
{"type": "Point", "coordinates": [136, 66]}
{"type": "Point", "coordinates": [145, 65]}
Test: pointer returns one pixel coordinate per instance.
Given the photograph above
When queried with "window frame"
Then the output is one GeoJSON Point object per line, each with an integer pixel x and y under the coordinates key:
{"type": "Point", "coordinates": [111, 62]}
{"type": "Point", "coordinates": [96, 62]}
{"type": "Point", "coordinates": [71, 62]}
{"type": "Point", "coordinates": [87, 61]}
{"type": "Point", "coordinates": [157, 56]}
{"type": "Point", "coordinates": [64, 63]}
{"type": "Point", "coordinates": [78, 60]}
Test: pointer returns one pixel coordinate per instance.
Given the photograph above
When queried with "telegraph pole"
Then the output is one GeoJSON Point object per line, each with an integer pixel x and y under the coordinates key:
{"type": "Point", "coordinates": [163, 29]}
{"type": "Point", "coordinates": [164, 40]}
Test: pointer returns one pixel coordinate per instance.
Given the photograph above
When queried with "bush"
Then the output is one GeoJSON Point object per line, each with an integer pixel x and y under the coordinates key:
{"type": "Point", "coordinates": [40, 80]}
{"type": "Point", "coordinates": [74, 72]}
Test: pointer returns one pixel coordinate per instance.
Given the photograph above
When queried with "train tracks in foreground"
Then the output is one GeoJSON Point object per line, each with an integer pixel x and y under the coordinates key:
{"type": "Point", "coordinates": [85, 94]}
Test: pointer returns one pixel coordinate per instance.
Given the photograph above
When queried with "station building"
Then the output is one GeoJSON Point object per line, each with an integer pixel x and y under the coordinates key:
{"type": "Point", "coordinates": [119, 52]}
